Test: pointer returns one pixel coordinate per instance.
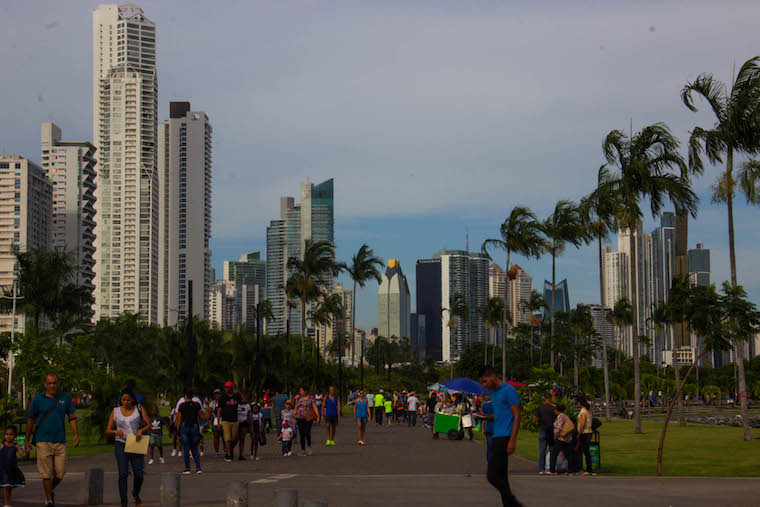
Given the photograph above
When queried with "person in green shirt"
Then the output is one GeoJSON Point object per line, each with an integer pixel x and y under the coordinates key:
{"type": "Point", "coordinates": [388, 404]}
{"type": "Point", "coordinates": [379, 408]}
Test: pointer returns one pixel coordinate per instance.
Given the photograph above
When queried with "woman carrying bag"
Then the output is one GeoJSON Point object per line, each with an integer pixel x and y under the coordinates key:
{"type": "Point", "coordinates": [564, 430]}
{"type": "Point", "coordinates": [306, 414]}
{"type": "Point", "coordinates": [128, 419]}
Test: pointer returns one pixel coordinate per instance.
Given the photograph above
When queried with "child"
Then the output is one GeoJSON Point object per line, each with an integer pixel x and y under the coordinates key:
{"type": "Point", "coordinates": [287, 414]}
{"type": "Point", "coordinates": [10, 475]}
{"type": "Point", "coordinates": [388, 410]}
{"type": "Point", "coordinates": [286, 434]}
{"type": "Point", "coordinates": [257, 419]}
{"type": "Point", "coordinates": [157, 424]}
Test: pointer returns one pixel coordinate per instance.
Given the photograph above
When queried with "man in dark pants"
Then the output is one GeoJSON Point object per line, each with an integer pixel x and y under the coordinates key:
{"type": "Point", "coordinates": [545, 417]}
{"type": "Point", "coordinates": [506, 424]}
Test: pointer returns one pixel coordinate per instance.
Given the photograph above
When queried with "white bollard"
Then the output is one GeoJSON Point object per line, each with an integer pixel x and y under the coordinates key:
{"type": "Point", "coordinates": [94, 480]}
{"type": "Point", "coordinates": [286, 497]}
{"type": "Point", "coordinates": [237, 494]}
{"type": "Point", "coordinates": [170, 490]}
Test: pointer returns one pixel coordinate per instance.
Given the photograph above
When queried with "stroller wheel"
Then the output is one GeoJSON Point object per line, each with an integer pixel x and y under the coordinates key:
{"type": "Point", "coordinates": [452, 434]}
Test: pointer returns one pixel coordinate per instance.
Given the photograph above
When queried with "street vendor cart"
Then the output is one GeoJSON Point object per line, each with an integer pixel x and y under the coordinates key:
{"type": "Point", "coordinates": [449, 424]}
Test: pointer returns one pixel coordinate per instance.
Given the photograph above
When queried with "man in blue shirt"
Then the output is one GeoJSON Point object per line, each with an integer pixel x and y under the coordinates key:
{"type": "Point", "coordinates": [506, 425]}
{"type": "Point", "coordinates": [49, 410]}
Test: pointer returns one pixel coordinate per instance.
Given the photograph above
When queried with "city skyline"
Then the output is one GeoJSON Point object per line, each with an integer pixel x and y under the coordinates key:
{"type": "Point", "coordinates": [416, 220]}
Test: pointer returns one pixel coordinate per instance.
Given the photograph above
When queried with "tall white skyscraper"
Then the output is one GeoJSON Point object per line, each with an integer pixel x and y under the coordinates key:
{"type": "Point", "coordinates": [71, 168]}
{"type": "Point", "coordinates": [616, 287]}
{"type": "Point", "coordinates": [184, 168]}
{"type": "Point", "coordinates": [393, 303]}
{"type": "Point", "coordinates": [125, 111]}
{"type": "Point", "coordinates": [644, 273]}
{"type": "Point", "coordinates": [520, 290]}
{"type": "Point", "coordinates": [26, 213]}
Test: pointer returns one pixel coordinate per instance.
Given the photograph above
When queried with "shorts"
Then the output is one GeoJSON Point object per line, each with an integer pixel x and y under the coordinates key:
{"type": "Point", "coordinates": [331, 419]}
{"type": "Point", "coordinates": [362, 420]}
{"type": "Point", "coordinates": [51, 459]}
{"type": "Point", "coordinates": [230, 430]}
{"type": "Point", "coordinates": [388, 415]}
{"type": "Point", "coordinates": [156, 440]}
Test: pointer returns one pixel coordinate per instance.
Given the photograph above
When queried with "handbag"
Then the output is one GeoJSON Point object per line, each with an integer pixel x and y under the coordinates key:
{"type": "Point", "coordinates": [42, 420]}
{"type": "Point", "coordinates": [262, 438]}
{"type": "Point", "coordinates": [311, 416]}
{"type": "Point", "coordinates": [467, 421]}
{"type": "Point", "coordinates": [567, 428]}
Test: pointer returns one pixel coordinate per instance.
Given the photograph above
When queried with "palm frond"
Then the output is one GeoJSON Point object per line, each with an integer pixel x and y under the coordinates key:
{"type": "Point", "coordinates": [711, 89]}
{"type": "Point", "coordinates": [749, 181]}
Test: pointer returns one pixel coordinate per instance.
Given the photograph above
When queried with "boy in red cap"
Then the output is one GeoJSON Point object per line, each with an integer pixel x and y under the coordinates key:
{"type": "Point", "coordinates": [227, 412]}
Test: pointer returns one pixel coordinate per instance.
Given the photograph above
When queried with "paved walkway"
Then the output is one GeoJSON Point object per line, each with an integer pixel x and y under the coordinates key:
{"type": "Point", "coordinates": [398, 466]}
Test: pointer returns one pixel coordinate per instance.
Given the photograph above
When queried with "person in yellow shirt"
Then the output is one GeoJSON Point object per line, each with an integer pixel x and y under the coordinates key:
{"type": "Point", "coordinates": [379, 408]}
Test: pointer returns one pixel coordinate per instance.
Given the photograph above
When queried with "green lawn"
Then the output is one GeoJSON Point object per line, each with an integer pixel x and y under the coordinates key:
{"type": "Point", "coordinates": [692, 451]}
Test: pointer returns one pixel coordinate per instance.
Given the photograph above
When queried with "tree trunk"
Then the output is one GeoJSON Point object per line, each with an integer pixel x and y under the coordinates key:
{"type": "Point", "coordinates": [604, 341]}
{"type": "Point", "coordinates": [681, 420]}
{"type": "Point", "coordinates": [575, 365]}
{"type": "Point", "coordinates": [353, 327]}
{"type": "Point", "coordinates": [635, 330]}
{"type": "Point", "coordinates": [670, 412]}
{"type": "Point", "coordinates": [506, 324]}
{"type": "Point", "coordinates": [303, 325]}
{"type": "Point", "coordinates": [554, 286]}
{"type": "Point", "coordinates": [739, 361]}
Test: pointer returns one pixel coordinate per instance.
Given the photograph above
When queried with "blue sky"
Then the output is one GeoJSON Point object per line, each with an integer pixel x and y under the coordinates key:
{"type": "Point", "coordinates": [432, 116]}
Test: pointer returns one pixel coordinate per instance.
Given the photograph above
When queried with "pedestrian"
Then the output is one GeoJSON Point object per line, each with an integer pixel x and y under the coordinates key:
{"type": "Point", "coordinates": [286, 436]}
{"type": "Point", "coordinates": [563, 440]}
{"type": "Point", "coordinates": [371, 404]}
{"type": "Point", "coordinates": [157, 424]}
{"type": "Point", "coordinates": [10, 474]}
{"type": "Point", "coordinates": [288, 415]}
{"type": "Point", "coordinates": [545, 417]}
{"type": "Point", "coordinates": [278, 400]}
{"type": "Point", "coordinates": [257, 430]}
{"type": "Point", "coordinates": [331, 412]}
{"type": "Point", "coordinates": [379, 408]}
{"type": "Point", "coordinates": [244, 423]}
{"type": "Point", "coordinates": [361, 415]}
{"type": "Point", "coordinates": [318, 398]}
{"type": "Point", "coordinates": [47, 416]}
{"type": "Point", "coordinates": [430, 405]}
{"type": "Point", "coordinates": [173, 434]}
{"type": "Point", "coordinates": [485, 411]}
{"type": "Point", "coordinates": [306, 414]}
{"type": "Point", "coordinates": [585, 431]}
{"type": "Point", "coordinates": [388, 404]}
{"type": "Point", "coordinates": [506, 425]}
{"type": "Point", "coordinates": [189, 416]}
{"type": "Point", "coordinates": [128, 419]}
{"type": "Point", "coordinates": [412, 403]}
{"type": "Point", "coordinates": [216, 426]}
{"type": "Point", "coordinates": [228, 413]}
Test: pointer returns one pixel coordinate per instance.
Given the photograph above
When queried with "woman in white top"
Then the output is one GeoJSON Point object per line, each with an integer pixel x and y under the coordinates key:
{"type": "Point", "coordinates": [125, 420]}
{"type": "Point", "coordinates": [244, 426]}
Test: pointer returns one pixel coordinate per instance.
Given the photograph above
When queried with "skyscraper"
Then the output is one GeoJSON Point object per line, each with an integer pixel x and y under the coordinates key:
{"type": "Point", "coordinates": [250, 269]}
{"type": "Point", "coordinates": [664, 269]}
{"type": "Point", "coordinates": [428, 294]}
{"type": "Point", "coordinates": [698, 265]}
{"type": "Point", "coordinates": [125, 111]}
{"type": "Point", "coordinates": [71, 168]}
{"type": "Point", "coordinates": [616, 282]}
{"type": "Point", "coordinates": [643, 273]}
{"type": "Point", "coordinates": [312, 219]}
{"type": "Point", "coordinates": [520, 290]}
{"type": "Point", "coordinates": [184, 168]}
{"type": "Point", "coordinates": [26, 209]}
{"type": "Point", "coordinates": [561, 297]}
{"type": "Point", "coordinates": [609, 331]}
{"type": "Point", "coordinates": [462, 273]}
{"type": "Point", "coordinates": [417, 338]}
{"type": "Point", "coordinates": [393, 303]}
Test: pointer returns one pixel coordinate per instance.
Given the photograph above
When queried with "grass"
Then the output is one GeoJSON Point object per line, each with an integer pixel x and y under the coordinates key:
{"type": "Point", "coordinates": [710, 451]}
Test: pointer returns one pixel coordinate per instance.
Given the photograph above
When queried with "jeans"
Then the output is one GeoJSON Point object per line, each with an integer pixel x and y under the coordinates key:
{"type": "Point", "coordinates": [489, 448]}
{"type": "Point", "coordinates": [190, 440]}
{"type": "Point", "coordinates": [304, 431]}
{"type": "Point", "coordinates": [123, 462]}
{"type": "Point", "coordinates": [544, 440]}
{"type": "Point", "coordinates": [286, 446]}
{"type": "Point", "coordinates": [412, 419]}
{"type": "Point", "coordinates": [568, 449]}
{"type": "Point", "coordinates": [584, 441]}
{"type": "Point", "coordinates": [498, 468]}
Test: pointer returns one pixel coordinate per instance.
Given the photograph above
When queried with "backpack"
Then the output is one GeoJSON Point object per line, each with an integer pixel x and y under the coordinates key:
{"type": "Point", "coordinates": [595, 423]}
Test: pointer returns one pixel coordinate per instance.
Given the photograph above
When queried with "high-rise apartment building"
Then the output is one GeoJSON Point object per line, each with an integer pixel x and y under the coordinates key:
{"type": "Point", "coordinates": [609, 332]}
{"type": "Point", "coordinates": [417, 335]}
{"type": "Point", "coordinates": [223, 309]}
{"type": "Point", "coordinates": [340, 324]}
{"type": "Point", "coordinates": [26, 211]}
{"type": "Point", "coordinates": [497, 281]}
{"type": "Point", "coordinates": [462, 273]}
{"type": "Point", "coordinates": [184, 169]}
{"type": "Point", "coordinates": [428, 294]}
{"type": "Point", "coordinates": [644, 276]}
{"type": "Point", "coordinates": [125, 111]}
{"type": "Point", "coordinates": [310, 220]}
{"type": "Point", "coordinates": [664, 270]}
{"type": "Point", "coordinates": [250, 269]}
{"type": "Point", "coordinates": [561, 297]}
{"type": "Point", "coordinates": [616, 282]}
{"type": "Point", "coordinates": [520, 290]}
{"type": "Point", "coordinates": [698, 265]}
{"type": "Point", "coordinates": [393, 303]}
{"type": "Point", "coordinates": [70, 166]}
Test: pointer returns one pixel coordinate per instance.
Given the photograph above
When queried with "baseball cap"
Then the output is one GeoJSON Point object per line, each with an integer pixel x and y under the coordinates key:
{"type": "Point", "coordinates": [285, 424]}
{"type": "Point", "coordinates": [382, 391]}
{"type": "Point", "coordinates": [229, 384]}
{"type": "Point", "coordinates": [217, 391]}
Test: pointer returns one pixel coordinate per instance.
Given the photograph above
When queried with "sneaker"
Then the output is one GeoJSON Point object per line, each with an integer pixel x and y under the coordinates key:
{"type": "Point", "coordinates": [174, 452]}
{"type": "Point", "coordinates": [150, 461]}
{"type": "Point", "coordinates": [179, 454]}
{"type": "Point", "coordinates": [361, 442]}
{"type": "Point", "coordinates": [258, 458]}
{"type": "Point", "coordinates": [241, 458]}
{"type": "Point", "coordinates": [329, 442]}
{"type": "Point", "coordinates": [199, 471]}
{"type": "Point", "coordinates": [228, 459]}
{"type": "Point", "coordinates": [202, 451]}
{"type": "Point", "coordinates": [290, 453]}
{"type": "Point", "coordinates": [186, 472]}
{"type": "Point", "coordinates": [216, 455]}
{"type": "Point", "coordinates": [308, 451]}
{"type": "Point", "coordinates": [162, 460]}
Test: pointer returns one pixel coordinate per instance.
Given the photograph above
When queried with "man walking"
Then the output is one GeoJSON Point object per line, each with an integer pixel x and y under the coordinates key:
{"type": "Point", "coordinates": [330, 411]}
{"type": "Point", "coordinates": [411, 406]}
{"type": "Point", "coordinates": [379, 408]}
{"type": "Point", "coordinates": [278, 400]}
{"type": "Point", "coordinates": [545, 417]}
{"type": "Point", "coordinates": [506, 424]}
{"type": "Point", "coordinates": [228, 414]}
{"type": "Point", "coordinates": [49, 411]}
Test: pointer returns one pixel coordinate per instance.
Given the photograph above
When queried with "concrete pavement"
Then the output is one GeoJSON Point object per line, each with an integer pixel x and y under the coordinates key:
{"type": "Point", "coordinates": [398, 466]}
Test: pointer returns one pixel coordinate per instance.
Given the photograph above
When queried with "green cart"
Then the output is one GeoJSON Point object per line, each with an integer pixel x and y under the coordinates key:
{"type": "Point", "coordinates": [450, 424]}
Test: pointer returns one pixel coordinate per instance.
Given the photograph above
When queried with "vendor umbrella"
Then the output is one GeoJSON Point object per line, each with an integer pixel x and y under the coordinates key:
{"type": "Point", "coordinates": [515, 384]}
{"type": "Point", "coordinates": [465, 385]}
{"type": "Point", "coordinates": [438, 387]}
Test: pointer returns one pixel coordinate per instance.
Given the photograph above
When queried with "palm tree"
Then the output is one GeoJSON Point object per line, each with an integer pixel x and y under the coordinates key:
{"type": "Point", "coordinates": [667, 315]}
{"type": "Point", "coordinates": [736, 131]}
{"type": "Point", "coordinates": [262, 311]}
{"type": "Point", "coordinates": [621, 317]}
{"type": "Point", "coordinates": [533, 304]}
{"type": "Point", "coordinates": [364, 266]}
{"type": "Point", "coordinates": [644, 161]}
{"type": "Point", "coordinates": [328, 306]}
{"type": "Point", "coordinates": [599, 211]}
{"type": "Point", "coordinates": [581, 324]}
{"type": "Point", "coordinates": [458, 312]}
{"type": "Point", "coordinates": [565, 225]}
{"type": "Point", "coordinates": [309, 273]}
{"type": "Point", "coordinates": [493, 314]}
{"type": "Point", "coordinates": [519, 234]}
